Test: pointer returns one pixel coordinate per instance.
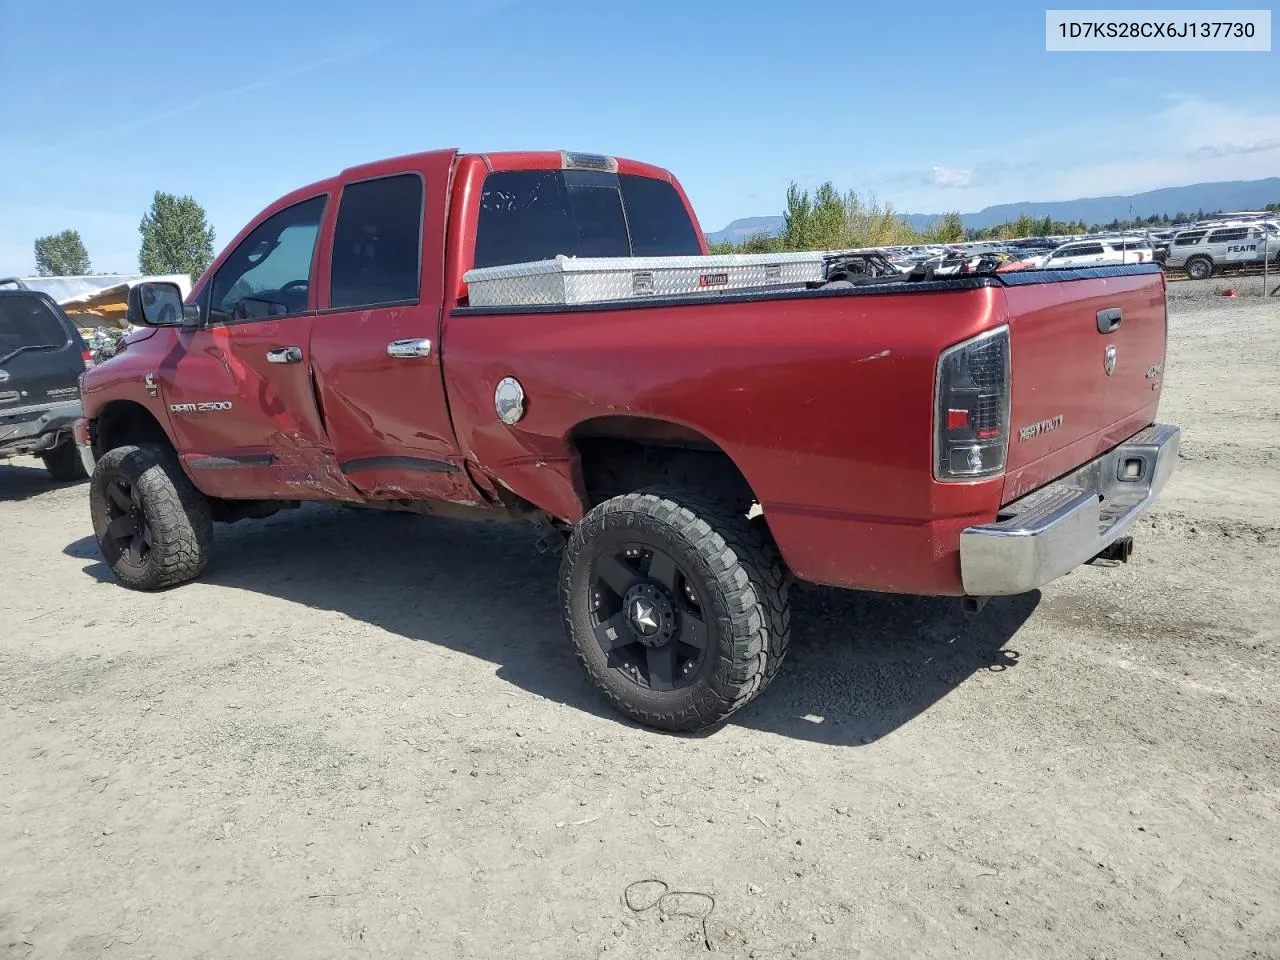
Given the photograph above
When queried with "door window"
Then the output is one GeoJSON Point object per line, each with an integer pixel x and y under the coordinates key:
{"type": "Point", "coordinates": [377, 243]}
{"type": "Point", "coordinates": [269, 273]}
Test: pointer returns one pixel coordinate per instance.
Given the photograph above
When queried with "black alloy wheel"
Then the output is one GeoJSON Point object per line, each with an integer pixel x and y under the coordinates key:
{"type": "Point", "coordinates": [127, 529]}
{"type": "Point", "coordinates": [647, 618]}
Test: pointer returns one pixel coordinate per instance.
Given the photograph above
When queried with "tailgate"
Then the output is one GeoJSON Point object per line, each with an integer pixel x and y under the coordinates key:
{"type": "Point", "coordinates": [1087, 358]}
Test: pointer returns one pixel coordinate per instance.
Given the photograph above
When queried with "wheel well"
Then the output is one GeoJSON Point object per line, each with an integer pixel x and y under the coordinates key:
{"type": "Point", "coordinates": [624, 456]}
{"type": "Point", "coordinates": [124, 422]}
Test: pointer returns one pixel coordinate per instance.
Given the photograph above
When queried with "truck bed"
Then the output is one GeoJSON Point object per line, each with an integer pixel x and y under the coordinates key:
{"type": "Point", "coordinates": [823, 398]}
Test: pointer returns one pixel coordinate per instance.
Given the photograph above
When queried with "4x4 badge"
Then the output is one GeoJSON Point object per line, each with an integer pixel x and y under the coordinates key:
{"type": "Point", "coordinates": [150, 381]}
{"type": "Point", "coordinates": [1109, 360]}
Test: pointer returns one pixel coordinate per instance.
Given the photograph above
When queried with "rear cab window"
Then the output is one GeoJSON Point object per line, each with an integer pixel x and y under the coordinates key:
{"type": "Point", "coordinates": [531, 215]}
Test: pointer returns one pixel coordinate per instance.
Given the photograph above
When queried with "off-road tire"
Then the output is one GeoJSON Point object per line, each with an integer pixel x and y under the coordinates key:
{"type": "Point", "coordinates": [1199, 268]}
{"type": "Point", "coordinates": [736, 570]}
{"type": "Point", "coordinates": [176, 513]}
{"type": "Point", "coordinates": [64, 464]}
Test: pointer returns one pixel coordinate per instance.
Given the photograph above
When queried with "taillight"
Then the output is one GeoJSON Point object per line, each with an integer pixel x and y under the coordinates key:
{"type": "Point", "coordinates": [971, 418]}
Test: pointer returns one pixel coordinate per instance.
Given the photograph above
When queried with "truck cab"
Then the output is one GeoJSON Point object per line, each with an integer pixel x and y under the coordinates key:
{"type": "Point", "coordinates": [325, 315]}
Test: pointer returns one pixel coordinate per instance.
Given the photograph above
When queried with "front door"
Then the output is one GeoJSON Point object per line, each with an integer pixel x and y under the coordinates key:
{"type": "Point", "coordinates": [375, 342]}
{"type": "Point", "coordinates": [238, 389]}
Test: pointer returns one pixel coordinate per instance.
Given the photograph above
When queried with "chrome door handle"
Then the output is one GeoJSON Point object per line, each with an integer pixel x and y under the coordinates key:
{"type": "Point", "coordinates": [409, 348]}
{"type": "Point", "coordinates": [285, 355]}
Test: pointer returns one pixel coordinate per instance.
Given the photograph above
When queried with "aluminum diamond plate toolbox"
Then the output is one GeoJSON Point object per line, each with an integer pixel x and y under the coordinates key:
{"type": "Point", "coordinates": [568, 280]}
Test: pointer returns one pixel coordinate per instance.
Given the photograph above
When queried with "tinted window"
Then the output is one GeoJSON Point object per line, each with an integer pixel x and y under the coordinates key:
{"type": "Point", "coordinates": [269, 273]}
{"type": "Point", "coordinates": [595, 207]}
{"type": "Point", "coordinates": [28, 322]}
{"type": "Point", "coordinates": [1187, 239]}
{"type": "Point", "coordinates": [529, 215]}
{"type": "Point", "coordinates": [1224, 236]}
{"type": "Point", "coordinates": [660, 224]}
{"type": "Point", "coordinates": [377, 243]}
{"type": "Point", "coordinates": [1080, 250]}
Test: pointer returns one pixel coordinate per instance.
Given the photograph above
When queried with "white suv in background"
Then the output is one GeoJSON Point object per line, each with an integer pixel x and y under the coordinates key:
{"type": "Point", "coordinates": [1203, 251]}
{"type": "Point", "coordinates": [1099, 252]}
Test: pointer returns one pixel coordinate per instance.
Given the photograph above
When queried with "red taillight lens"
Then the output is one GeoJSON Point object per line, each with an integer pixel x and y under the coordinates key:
{"type": "Point", "coordinates": [972, 403]}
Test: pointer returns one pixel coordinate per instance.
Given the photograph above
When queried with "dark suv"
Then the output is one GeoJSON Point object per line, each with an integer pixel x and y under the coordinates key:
{"type": "Point", "coordinates": [41, 360]}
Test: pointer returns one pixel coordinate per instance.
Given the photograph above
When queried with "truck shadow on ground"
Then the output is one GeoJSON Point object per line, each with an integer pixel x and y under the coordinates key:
{"type": "Point", "coordinates": [18, 481]}
{"type": "Point", "coordinates": [860, 665]}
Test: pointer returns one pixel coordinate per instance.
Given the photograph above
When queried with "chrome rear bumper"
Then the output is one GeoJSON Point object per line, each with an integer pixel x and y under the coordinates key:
{"type": "Point", "coordinates": [1069, 522]}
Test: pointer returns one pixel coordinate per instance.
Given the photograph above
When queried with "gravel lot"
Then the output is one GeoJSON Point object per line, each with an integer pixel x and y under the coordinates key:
{"type": "Point", "coordinates": [364, 735]}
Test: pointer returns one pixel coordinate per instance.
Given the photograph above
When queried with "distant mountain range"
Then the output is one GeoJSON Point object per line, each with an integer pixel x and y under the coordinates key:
{"type": "Point", "coordinates": [1230, 195]}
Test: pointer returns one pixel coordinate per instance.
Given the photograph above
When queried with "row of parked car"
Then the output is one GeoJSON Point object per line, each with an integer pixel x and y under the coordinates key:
{"type": "Point", "coordinates": [1200, 250]}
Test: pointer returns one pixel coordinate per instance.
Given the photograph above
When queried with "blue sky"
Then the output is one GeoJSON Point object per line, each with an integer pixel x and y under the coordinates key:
{"type": "Point", "coordinates": [932, 106]}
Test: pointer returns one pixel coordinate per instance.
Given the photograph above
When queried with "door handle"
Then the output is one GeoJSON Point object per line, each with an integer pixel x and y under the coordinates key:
{"type": "Point", "coordinates": [285, 355]}
{"type": "Point", "coordinates": [409, 348]}
{"type": "Point", "coordinates": [1109, 319]}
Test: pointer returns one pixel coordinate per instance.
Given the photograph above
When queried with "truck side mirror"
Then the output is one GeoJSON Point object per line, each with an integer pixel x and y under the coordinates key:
{"type": "Point", "coordinates": [156, 304]}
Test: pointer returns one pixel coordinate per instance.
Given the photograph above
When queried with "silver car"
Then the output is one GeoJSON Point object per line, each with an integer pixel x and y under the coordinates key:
{"type": "Point", "coordinates": [1203, 251]}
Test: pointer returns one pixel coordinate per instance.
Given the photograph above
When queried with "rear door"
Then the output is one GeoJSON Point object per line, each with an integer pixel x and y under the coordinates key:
{"type": "Point", "coordinates": [41, 355]}
{"type": "Point", "coordinates": [375, 343]}
{"type": "Point", "coordinates": [1236, 245]}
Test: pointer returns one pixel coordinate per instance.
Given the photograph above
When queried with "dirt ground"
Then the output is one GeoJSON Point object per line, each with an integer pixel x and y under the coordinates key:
{"type": "Point", "coordinates": [364, 735]}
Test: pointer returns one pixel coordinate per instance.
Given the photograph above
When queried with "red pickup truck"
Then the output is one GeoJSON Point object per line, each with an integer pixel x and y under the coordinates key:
{"type": "Point", "coordinates": [689, 455]}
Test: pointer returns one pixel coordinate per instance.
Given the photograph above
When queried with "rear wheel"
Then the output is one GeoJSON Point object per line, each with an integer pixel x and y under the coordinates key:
{"type": "Point", "coordinates": [64, 463]}
{"type": "Point", "coordinates": [676, 605]}
{"type": "Point", "coordinates": [154, 528]}
{"type": "Point", "coordinates": [1199, 268]}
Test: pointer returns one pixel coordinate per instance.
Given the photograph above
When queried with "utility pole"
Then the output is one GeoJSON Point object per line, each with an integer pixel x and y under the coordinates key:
{"type": "Point", "coordinates": [1266, 257]}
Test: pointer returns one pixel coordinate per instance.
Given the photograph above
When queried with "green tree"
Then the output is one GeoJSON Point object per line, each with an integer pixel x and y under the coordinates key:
{"type": "Point", "coordinates": [950, 229]}
{"type": "Point", "coordinates": [61, 255]}
{"type": "Point", "coordinates": [760, 243]}
{"type": "Point", "coordinates": [797, 231]}
{"type": "Point", "coordinates": [176, 238]}
{"type": "Point", "coordinates": [829, 218]}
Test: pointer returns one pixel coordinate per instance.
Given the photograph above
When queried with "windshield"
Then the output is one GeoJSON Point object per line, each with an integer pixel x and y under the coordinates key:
{"type": "Point", "coordinates": [28, 323]}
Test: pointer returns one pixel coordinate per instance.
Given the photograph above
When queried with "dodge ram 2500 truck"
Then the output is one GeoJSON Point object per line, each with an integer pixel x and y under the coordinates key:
{"type": "Point", "coordinates": [971, 436]}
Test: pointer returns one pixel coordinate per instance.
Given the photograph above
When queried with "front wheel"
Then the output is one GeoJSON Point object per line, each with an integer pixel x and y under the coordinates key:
{"type": "Point", "coordinates": [676, 605]}
{"type": "Point", "coordinates": [154, 528]}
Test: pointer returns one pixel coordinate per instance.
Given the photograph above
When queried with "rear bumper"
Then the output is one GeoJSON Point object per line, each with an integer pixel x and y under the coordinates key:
{"type": "Point", "coordinates": [1069, 522]}
{"type": "Point", "coordinates": [37, 429]}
